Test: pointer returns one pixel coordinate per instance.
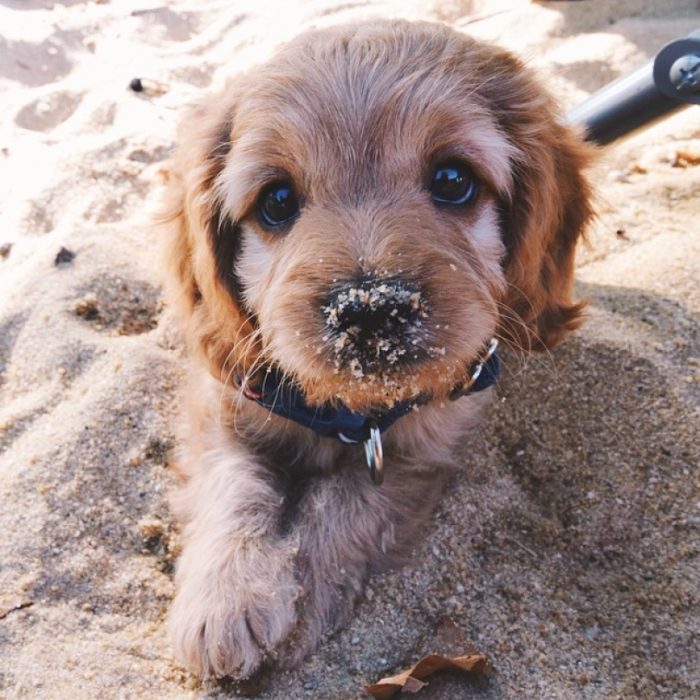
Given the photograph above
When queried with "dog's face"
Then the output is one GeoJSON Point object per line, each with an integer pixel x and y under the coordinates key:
{"type": "Point", "coordinates": [371, 206]}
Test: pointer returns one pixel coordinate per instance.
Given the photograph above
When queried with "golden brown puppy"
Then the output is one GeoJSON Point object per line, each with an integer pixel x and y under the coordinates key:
{"type": "Point", "coordinates": [350, 224]}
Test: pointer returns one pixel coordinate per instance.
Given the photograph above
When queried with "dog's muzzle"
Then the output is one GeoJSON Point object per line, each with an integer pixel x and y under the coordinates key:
{"type": "Point", "coordinates": [374, 324]}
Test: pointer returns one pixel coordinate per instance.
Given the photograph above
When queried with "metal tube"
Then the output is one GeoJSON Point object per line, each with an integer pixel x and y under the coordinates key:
{"type": "Point", "coordinates": [661, 87]}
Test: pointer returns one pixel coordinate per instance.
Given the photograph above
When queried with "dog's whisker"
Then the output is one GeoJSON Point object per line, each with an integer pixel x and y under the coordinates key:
{"type": "Point", "coordinates": [249, 340]}
{"type": "Point", "coordinates": [237, 397]}
{"type": "Point", "coordinates": [247, 376]}
{"type": "Point", "coordinates": [510, 319]}
{"type": "Point", "coordinates": [242, 339]}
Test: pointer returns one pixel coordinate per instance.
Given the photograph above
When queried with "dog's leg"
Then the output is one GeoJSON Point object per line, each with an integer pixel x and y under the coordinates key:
{"type": "Point", "coordinates": [349, 528]}
{"type": "Point", "coordinates": [236, 591]}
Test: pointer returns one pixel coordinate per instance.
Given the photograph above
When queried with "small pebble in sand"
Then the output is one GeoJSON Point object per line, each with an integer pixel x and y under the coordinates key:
{"type": "Point", "coordinates": [64, 257]}
{"type": "Point", "coordinates": [87, 307]}
{"type": "Point", "coordinates": [5, 249]}
{"type": "Point", "coordinates": [153, 536]}
{"type": "Point", "coordinates": [148, 86]}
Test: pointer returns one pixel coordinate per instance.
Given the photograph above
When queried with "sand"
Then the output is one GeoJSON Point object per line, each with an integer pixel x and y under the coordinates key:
{"type": "Point", "coordinates": [567, 551]}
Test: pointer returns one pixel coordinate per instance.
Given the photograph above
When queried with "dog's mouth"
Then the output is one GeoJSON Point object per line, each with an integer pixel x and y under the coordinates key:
{"type": "Point", "coordinates": [379, 395]}
{"type": "Point", "coordinates": [378, 342]}
{"type": "Point", "coordinates": [372, 343]}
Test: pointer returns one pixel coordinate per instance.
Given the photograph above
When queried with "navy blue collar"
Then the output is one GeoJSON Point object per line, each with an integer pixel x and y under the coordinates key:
{"type": "Point", "coordinates": [337, 421]}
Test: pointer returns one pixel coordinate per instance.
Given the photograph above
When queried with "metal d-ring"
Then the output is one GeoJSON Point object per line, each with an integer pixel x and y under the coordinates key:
{"type": "Point", "coordinates": [493, 346]}
{"type": "Point", "coordinates": [375, 454]}
{"type": "Point", "coordinates": [481, 363]}
{"type": "Point", "coordinates": [476, 369]}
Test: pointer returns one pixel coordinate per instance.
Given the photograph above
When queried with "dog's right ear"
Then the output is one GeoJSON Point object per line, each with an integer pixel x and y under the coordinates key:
{"type": "Point", "coordinates": [198, 242]}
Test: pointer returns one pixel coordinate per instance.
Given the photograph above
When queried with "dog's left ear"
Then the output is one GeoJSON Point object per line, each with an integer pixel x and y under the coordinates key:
{"type": "Point", "coordinates": [547, 213]}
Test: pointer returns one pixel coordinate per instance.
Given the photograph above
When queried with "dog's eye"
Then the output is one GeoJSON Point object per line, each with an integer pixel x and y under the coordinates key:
{"type": "Point", "coordinates": [278, 204]}
{"type": "Point", "coordinates": [453, 183]}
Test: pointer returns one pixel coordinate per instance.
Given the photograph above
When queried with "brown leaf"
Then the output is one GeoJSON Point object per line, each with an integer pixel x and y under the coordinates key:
{"type": "Point", "coordinates": [412, 680]}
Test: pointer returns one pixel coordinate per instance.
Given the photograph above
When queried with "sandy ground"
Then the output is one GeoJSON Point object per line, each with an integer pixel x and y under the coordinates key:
{"type": "Point", "coordinates": [568, 549]}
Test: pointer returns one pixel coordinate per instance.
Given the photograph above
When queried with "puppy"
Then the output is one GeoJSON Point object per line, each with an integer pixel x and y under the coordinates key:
{"type": "Point", "coordinates": [350, 226]}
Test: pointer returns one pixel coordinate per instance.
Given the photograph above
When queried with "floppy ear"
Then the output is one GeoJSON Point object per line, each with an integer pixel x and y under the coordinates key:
{"type": "Point", "coordinates": [199, 245]}
{"type": "Point", "coordinates": [548, 211]}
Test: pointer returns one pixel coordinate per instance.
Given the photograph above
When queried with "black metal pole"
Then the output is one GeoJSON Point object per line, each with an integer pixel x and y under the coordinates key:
{"type": "Point", "coordinates": [663, 86]}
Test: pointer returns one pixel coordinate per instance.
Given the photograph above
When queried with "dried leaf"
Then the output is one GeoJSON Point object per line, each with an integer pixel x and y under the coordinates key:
{"type": "Point", "coordinates": [412, 680]}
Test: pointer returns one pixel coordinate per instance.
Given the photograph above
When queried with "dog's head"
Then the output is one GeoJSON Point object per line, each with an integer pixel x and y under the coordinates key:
{"type": "Point", "coordinates": [369, 207]}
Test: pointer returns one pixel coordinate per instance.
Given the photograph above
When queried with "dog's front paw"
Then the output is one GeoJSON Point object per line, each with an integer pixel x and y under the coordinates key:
{"type": "Point", "coordinates": [324, 606]}
{"type": "Point", "coordinates": [225, 625]}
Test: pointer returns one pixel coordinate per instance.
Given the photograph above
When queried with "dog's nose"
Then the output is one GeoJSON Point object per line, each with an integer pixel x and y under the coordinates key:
{"type": "Point", "coordinates": [374, 321]}
{"type": "Point", "coordinates": [373, 306]}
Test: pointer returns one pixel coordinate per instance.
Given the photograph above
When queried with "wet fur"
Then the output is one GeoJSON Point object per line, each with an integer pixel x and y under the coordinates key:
{"type": "Point", "coordinates": [280, 527]}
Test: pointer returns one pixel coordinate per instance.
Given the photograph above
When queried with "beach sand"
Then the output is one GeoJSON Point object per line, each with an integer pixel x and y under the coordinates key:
{"type": "Point", "coordinates": [567, 551]}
